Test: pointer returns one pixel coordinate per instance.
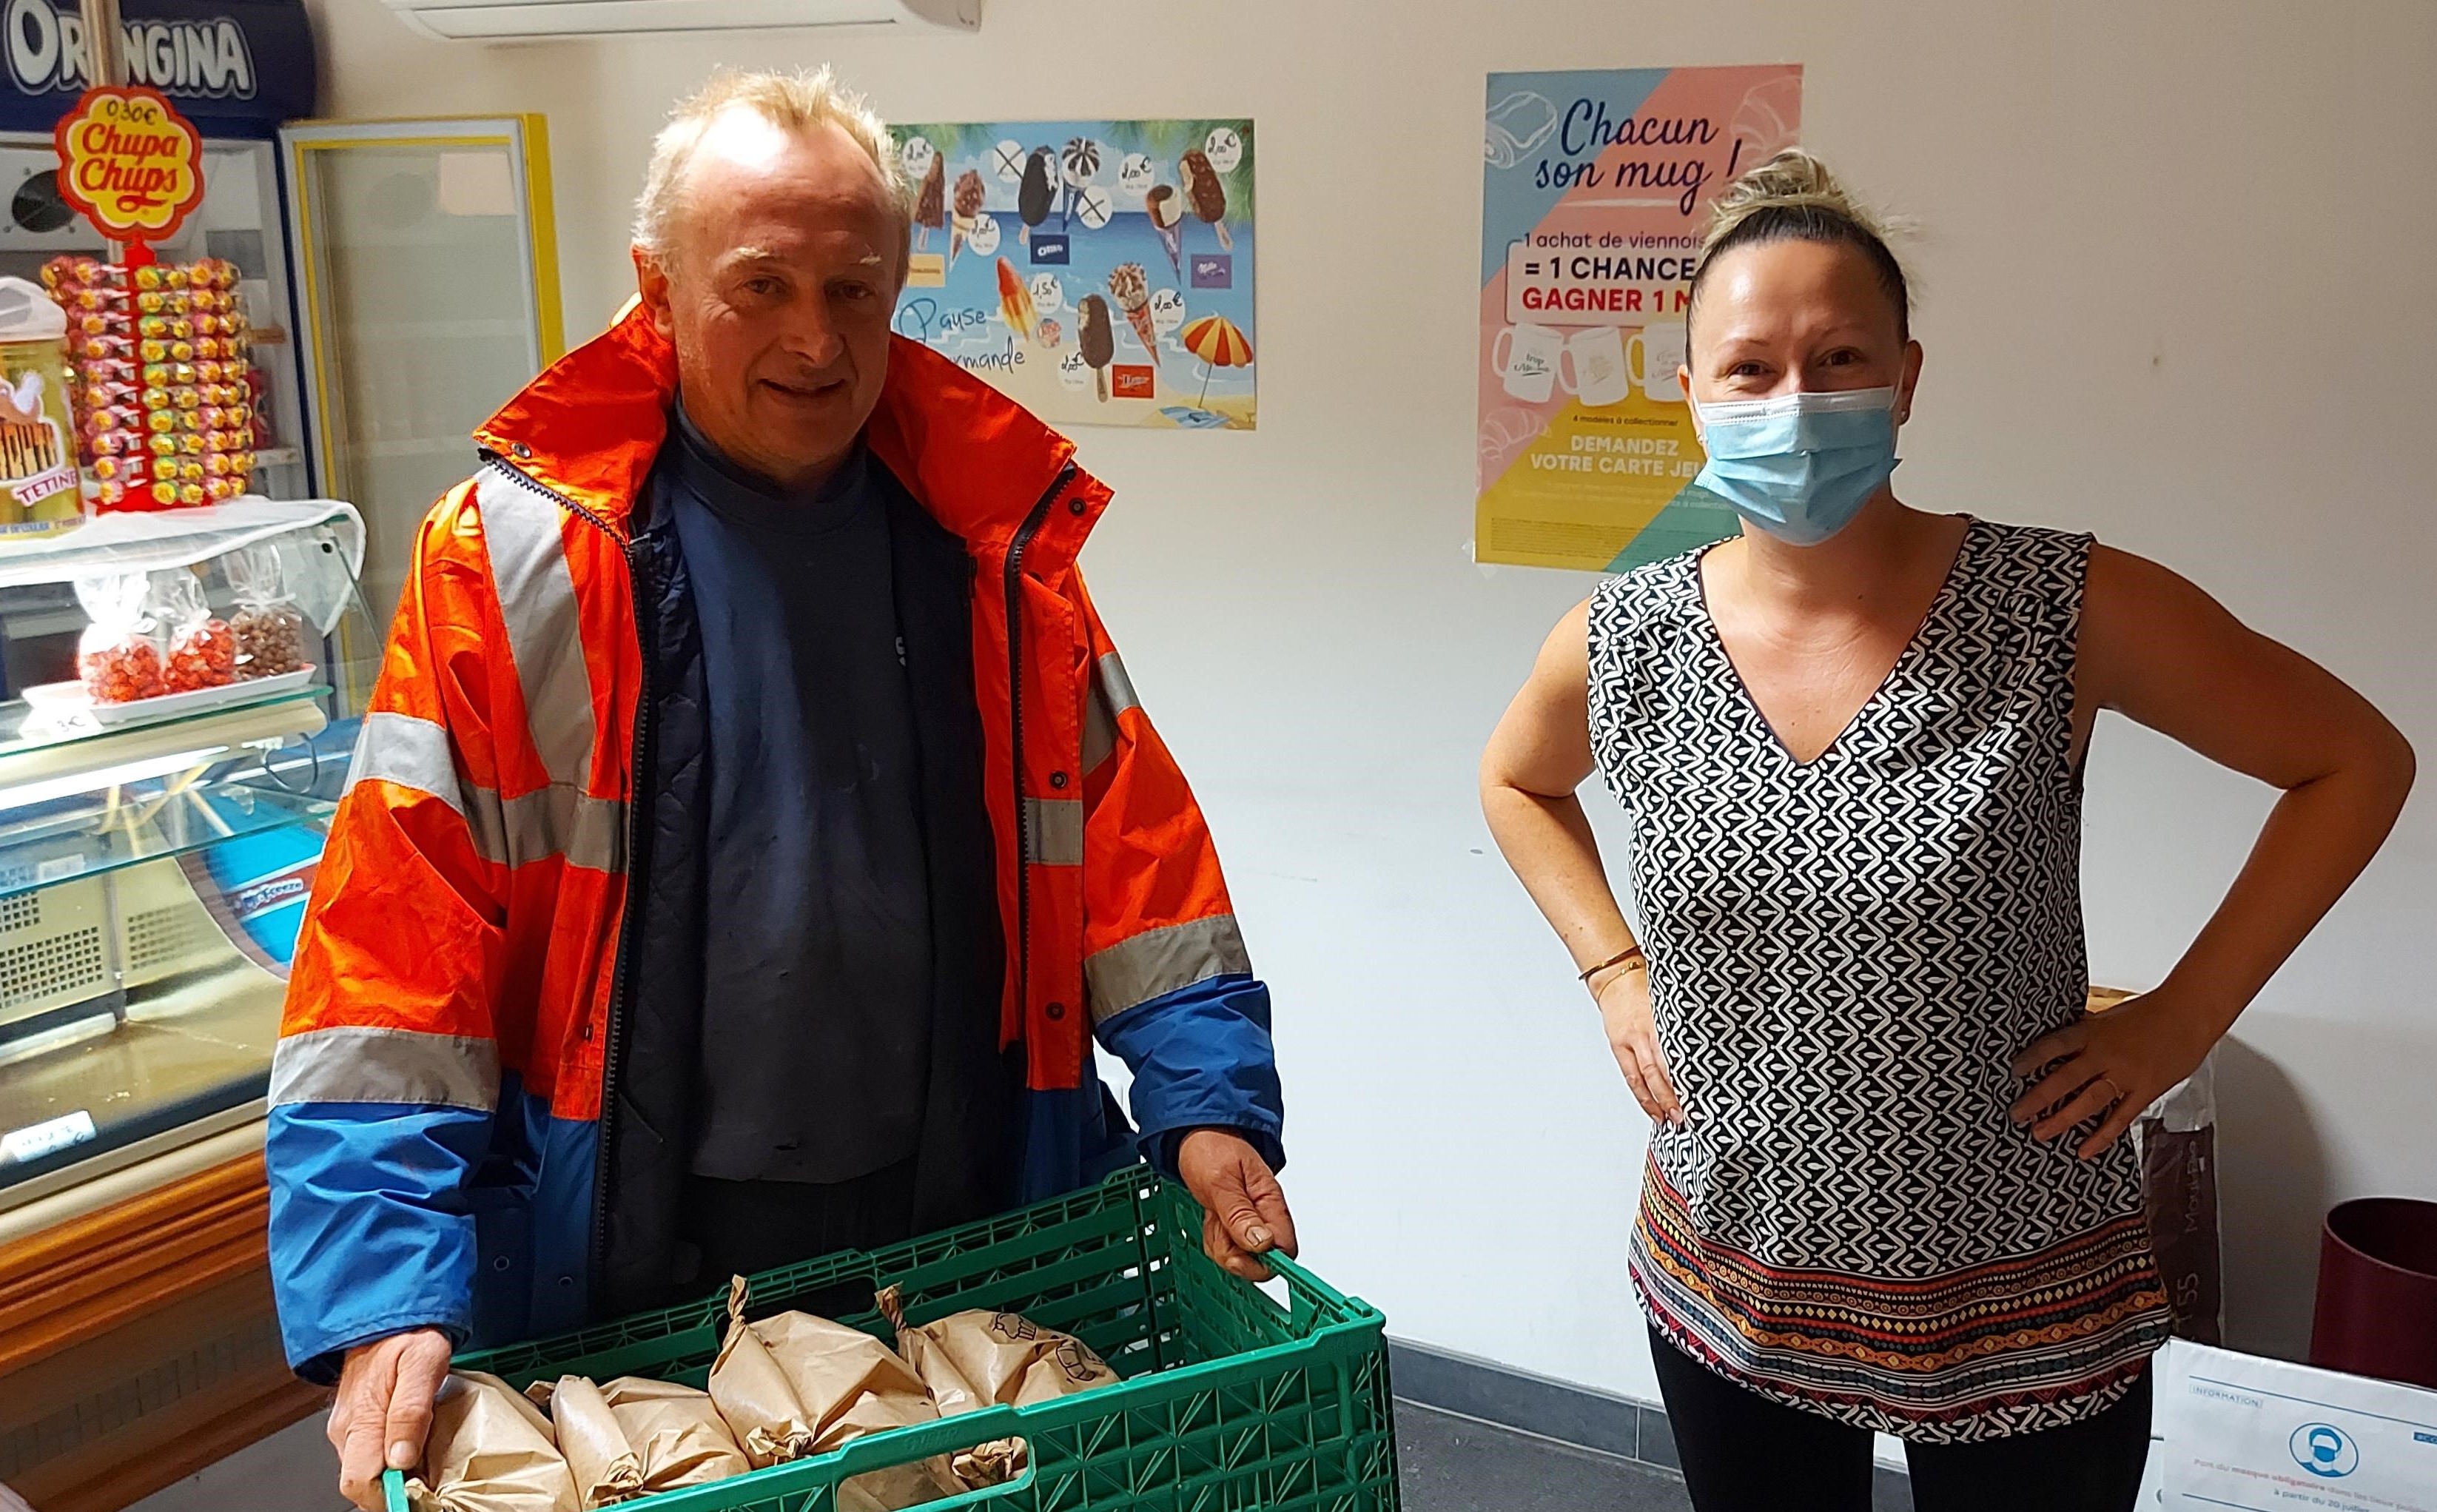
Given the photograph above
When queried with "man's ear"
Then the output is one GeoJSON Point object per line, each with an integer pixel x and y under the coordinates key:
{"type": "Point", "coordinates": [652, 290]}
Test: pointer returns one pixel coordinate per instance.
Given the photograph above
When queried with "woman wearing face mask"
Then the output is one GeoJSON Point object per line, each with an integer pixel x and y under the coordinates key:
{"type": "Point", "coordinates": [1888, 1187]}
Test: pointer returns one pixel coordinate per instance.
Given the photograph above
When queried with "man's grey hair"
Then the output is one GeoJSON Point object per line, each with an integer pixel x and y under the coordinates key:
{"type": "Point", "coordinates": [796, 101]}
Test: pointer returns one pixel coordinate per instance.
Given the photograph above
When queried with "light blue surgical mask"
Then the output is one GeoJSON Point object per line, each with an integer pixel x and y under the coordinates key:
{"type": "Point", "coordinates": [1800, 465]}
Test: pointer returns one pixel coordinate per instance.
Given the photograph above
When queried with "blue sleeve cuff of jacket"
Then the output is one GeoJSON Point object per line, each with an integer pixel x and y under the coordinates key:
{"type": "Point", "coordinates": [370, 1234]}
{"type": "Point", "coordinates": [321, 1368]}
{"type": "Point", "coordinates": [1202, 1058]}
{"type": "Point", "coordinates": [1163, 1152]}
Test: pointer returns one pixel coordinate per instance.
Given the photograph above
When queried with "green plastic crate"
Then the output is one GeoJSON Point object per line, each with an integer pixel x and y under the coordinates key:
{"type": "Point", "coordinates": [1232, 1402]}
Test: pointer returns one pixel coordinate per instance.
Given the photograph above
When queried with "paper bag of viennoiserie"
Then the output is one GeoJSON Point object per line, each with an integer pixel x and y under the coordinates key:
{"type": "Point", "coordinates": [489, 1451]}
{"type": "Point", "coordinates": [605, 1467]}
{"type": "Point", "coordinates": [842, 1383]}
{"type": "Point", "coordinates": [634, 1437]}
{"type": "Point", "coordinates": [975, 1359]}
{"type": "Point", "coordinates": [677, 1430]}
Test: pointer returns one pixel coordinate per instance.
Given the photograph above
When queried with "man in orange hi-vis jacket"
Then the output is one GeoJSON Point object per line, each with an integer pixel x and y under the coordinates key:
{"type": "Point", "coordinates": [752, 828]}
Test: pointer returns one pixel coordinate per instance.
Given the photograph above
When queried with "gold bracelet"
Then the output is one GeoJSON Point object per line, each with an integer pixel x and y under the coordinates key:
{"type": "Point", "coordinates": [1626, 957]}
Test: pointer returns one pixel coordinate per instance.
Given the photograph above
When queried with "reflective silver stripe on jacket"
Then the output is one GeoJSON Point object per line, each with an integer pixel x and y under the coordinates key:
{"type": "Point", "coordinates": [415, 753]}
{"type": "Point", "coordinates": [1112, 694]}
{"type": "Point", "coordinates": [1053, 832]}
{"type": "Point", "coordinates": [411, 752]}
{"type": "Point", "coordinates": [1158, 961]}
{"type": "Point", "coordinates": [386, 1066]}
{"type": "Point", "coordinates": [522, 531]}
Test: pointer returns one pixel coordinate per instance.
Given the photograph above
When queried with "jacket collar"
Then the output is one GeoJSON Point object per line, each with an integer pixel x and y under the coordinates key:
{"type": "Point", "coordinates": [590, 426]}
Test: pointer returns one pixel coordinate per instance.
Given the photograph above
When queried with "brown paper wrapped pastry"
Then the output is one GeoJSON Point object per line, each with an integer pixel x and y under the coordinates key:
{"type": "Point", "coordinates": [677, 1430]}
{"type": "Point", "coordinates": [983, 1465]}
{"type": "Point", "coordinates": [841, 1384]}
{"type": "Point", "coordinates": [634, 1437]}
{"type": "Point", "coordinates": [754, 1396]}
{"type": "Point", "coordinates": [489, 1451]}
{"type": "Point", "coordinates": [993, 1360]}
{"type": "Point", "coordinates": [605, 1467]}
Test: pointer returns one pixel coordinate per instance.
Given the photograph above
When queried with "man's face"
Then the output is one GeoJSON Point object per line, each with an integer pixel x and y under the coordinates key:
{"type": "Point", "coordinates": [782, 272]}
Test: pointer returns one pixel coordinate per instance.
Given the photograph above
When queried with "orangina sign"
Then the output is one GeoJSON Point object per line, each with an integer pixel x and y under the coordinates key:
{"type": "Point", "coordinates": [130, 164]}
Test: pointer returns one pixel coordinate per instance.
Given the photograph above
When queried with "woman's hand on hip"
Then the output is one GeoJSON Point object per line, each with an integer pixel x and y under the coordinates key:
{"type": "Point", "coordinates": [1624, 1007]}
{"type": "Point", "coordinates": [2110, 1066]}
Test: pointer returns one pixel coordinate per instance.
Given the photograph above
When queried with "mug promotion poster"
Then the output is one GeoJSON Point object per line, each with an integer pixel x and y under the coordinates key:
{"type": "Point", "coordinates": [1595, 189]}
{"type": "Point", "coordinates": [1098, 272]}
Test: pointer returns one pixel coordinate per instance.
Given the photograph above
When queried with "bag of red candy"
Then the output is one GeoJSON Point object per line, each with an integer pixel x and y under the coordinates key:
{"type": "Point", "coordinates": [118, 657]}
{"type": "Point", "coordinates": [203, 648]}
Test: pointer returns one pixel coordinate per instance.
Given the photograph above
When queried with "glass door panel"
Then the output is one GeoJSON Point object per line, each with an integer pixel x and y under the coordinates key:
{"type": "Point", "coordinates": [430, 295]}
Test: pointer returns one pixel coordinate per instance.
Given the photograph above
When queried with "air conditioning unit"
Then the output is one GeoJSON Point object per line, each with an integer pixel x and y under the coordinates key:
{"type": "Point", "coordinates": [535, 20]}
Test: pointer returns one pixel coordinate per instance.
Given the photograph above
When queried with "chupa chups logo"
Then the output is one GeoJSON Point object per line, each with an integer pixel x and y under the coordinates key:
{"type": "Point", "coordinates": [205, 59]}
{"type": "Point", "coordinates": [130, 163]}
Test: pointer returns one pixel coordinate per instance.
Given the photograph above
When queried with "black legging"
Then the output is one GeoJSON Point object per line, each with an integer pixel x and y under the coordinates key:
{"type": "Point", "coordinates": [1743, 1453]}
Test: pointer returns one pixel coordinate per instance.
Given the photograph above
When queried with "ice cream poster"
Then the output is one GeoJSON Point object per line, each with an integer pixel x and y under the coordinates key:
{"type": "Point", "coordinates": [1099, 273]}
{"type": "Point", "coordinates": [1595, 188]}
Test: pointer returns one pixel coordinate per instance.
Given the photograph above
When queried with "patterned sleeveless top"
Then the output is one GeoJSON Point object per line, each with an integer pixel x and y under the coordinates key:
{"type": "Point", "coordinates": [1845, 956]}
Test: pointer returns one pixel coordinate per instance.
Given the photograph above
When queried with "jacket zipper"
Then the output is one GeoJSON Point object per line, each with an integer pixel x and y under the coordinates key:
{"type": "Point", "coordinates": [622, 980]}
{"type": "Point", "coordinates": [1023, 534]}
{"type": "Point", "coordinates": [622, 975]}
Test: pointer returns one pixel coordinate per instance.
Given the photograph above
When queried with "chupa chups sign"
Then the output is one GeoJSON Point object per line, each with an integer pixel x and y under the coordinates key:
{"type": "Point", "coordinates": [130, 164]}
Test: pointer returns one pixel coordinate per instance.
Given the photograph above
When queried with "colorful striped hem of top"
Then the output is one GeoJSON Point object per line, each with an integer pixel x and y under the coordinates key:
{"type": "Point", "coordinates": [2014, 1346]}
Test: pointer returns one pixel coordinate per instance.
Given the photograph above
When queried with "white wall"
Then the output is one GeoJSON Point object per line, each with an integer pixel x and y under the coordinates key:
{"type": "Point", "coordinates": [2174, 271]}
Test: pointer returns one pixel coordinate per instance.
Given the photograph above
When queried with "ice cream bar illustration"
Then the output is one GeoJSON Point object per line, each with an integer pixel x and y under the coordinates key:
{"type": "Point", "coordinates": [1036, 195]}
{"type": "Point", "coordinates": [1209, 195]}
{"type": "Point", "coordinates": [1015, 303]}
{"type": "Point", "coordinates": [969, 204]}
{"type": "Point", "coordinates": [1131, 290]}
{"type": "Point", "coordinates": [1099, 343]}
{"type": "Point", "coordinates": [1081, 161]}
{"type": "Point", "coordinates": [1166, 211]}
{"type": "Point", "coordinates": [930, 206]}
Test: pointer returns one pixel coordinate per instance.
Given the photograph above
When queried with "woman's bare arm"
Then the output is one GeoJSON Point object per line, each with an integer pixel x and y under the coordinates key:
{"type": "Point", "coordinates": [1540, 753]}
{"type": "Point", "coordinates": [2159, 651]}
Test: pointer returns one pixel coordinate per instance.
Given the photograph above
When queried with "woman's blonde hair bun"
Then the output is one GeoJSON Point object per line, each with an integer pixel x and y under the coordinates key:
{"type": "Point", "coordinates": [1793, 197]}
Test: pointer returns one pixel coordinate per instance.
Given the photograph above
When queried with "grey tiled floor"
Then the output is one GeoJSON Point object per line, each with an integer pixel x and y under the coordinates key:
{"type": "Point", "coordinates": [1452, 1464]}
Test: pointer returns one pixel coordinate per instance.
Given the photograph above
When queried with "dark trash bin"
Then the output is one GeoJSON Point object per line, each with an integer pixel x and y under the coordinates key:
{"type": "Point", "coordinates": [2377, 1291]}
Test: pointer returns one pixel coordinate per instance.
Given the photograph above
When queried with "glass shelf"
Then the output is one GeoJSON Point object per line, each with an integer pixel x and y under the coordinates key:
{"type": "Point", "coordinates": [23, 727]}
{"type": "Point", "coordinates": [96, 834]}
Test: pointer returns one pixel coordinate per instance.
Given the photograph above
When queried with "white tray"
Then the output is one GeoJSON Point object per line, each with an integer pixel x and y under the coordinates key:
{"type": "Point", "coordinates": [61, 697]}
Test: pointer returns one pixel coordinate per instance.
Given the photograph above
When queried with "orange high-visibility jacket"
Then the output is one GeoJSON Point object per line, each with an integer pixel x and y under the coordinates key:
{"type": "Point", "coordinates": [451, 1142]}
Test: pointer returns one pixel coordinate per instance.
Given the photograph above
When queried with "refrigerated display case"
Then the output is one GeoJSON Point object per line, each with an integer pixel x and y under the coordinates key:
{"type": "Point", "coordinates": [155, 860]}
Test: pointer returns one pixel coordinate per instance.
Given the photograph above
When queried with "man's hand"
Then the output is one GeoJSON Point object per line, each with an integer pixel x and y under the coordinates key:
{"type": "Point", "coordinates": [383, 1411]}
{"type": "Point", "coordinates": [1244, 1211]}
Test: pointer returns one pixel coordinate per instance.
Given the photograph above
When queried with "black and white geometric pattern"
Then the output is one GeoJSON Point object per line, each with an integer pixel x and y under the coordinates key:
{"type": "Point", "coordinates": [1846, 955]}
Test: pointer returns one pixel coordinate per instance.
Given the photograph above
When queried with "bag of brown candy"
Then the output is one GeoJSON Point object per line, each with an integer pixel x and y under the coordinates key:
{"type": "Point", "coordinates": [268, 626]}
